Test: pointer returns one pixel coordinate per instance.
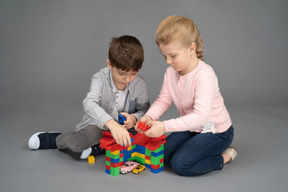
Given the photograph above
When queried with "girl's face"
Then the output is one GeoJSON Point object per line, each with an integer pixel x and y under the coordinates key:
{"type": "Point", "coordinates": [182, 59]}
{"type": "Point", "coordinates": [121, 78]}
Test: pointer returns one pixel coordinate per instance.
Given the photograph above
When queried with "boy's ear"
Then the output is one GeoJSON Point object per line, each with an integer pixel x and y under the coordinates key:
{"type": "Point", "coordinates": [108, 64]}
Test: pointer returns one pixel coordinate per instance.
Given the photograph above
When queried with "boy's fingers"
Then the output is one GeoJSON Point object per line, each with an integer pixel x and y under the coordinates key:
{"type": "Point", "coordinates": [129, 141]}
{"type": "Point", "coordinates": [118, 141]}
{"type": "Point", "coordinates": [125, 140]}
{"type": "Point", "coordinates": [124, 114]}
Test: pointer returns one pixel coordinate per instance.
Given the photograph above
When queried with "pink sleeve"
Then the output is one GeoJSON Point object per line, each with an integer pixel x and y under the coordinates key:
{"type": "Point", "coordinates": [201, 104]}
{"type": "Point", "coordinates": [162, 103]}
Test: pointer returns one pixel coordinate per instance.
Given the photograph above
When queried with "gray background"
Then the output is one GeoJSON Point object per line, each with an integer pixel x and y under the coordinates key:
{"type": "Point", "coordinates": [50, 49]}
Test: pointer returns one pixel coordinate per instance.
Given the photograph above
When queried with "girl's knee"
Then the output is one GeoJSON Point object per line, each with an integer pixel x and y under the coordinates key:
{"type": "Point", "coordinates": [184, 170]}
{"type": "Point", "coordinates": [179, 165]}
{"type": "Point", "coordinates": [183, 167]}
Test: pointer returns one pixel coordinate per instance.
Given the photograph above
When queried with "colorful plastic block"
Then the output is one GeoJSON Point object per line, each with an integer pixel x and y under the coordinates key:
{"type": "Point", "coordinates": [91, 159]}
{"type": "Point", "coordinates": [143, 126]}
{"type": "Point", "coordinates": [121, 118]}
{"type": "Point", "coordinates": [145, 150]}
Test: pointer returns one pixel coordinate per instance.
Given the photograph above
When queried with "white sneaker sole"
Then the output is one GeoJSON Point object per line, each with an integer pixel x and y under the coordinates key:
{"type": "Point", "coordinates": [34, 142]}
{"type": "Point", "coordinates": [86, 153]}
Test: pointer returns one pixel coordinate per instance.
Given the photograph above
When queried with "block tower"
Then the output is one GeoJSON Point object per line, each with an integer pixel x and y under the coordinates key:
{"type": "Point", "coordinates": [145, 150]}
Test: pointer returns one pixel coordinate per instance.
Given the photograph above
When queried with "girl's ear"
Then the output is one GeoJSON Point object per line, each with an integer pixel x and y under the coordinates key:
{"type": "Point", "coordinates": [108, 64]}
{"type": "Point", "coordinates": [192, 48]}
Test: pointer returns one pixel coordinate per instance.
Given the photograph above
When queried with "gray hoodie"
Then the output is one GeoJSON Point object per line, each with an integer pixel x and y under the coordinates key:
{"type": "Point", "coordinates": [100, 105]}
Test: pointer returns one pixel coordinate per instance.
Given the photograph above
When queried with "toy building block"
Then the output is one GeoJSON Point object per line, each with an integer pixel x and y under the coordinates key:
{"type": "Point", "coordinates": [113, 162]}
{"type": "Point", "coordinates": [145, 150]}
{"type": "Point", "coordinates": [91, 159]}
{"type": "Point", "coordinates": [107, 134]}
{"type": "Point", "coordinates": [143, 126]}
{"type": "Point", "coordinates": [121, 119]}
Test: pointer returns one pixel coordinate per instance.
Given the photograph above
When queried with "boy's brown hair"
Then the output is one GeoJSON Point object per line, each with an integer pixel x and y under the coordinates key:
{"type": "Point", "coordinates": [126, 53]}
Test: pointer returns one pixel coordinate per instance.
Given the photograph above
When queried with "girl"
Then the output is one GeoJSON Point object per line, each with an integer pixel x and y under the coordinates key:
{"type": "Point", "coordinates": [201, 136]}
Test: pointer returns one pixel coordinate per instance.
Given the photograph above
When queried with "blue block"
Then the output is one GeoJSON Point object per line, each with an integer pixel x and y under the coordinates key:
{"type": "Point", "coordinates": [108, 171]}
{"type": "Point", "coordinates": [115, 160]}
{"type": "Point", "coordinates": [157, 154]}
{"type": "Point", "coordinates": [127, 154]}
{"type": "Point", "coordinates": [147, 166]}
{"type": "Point", "coordinates": [140, 149]}
{"type": "Point", "coordinates": [157, 170]}
{"type": "Point", "coordinates": [121, 119]}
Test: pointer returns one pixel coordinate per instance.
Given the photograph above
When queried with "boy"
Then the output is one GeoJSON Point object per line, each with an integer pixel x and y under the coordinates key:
{"type": "Point", "coordinates": [114, 89]}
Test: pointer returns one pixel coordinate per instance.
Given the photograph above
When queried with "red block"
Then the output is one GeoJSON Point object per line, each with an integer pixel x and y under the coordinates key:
{"type": "Point", "coordinates": [143, 126]}
{"type": "Point", "coordinates": [155, 166]}
{"type": "Point", "coordinates": [115, 165]}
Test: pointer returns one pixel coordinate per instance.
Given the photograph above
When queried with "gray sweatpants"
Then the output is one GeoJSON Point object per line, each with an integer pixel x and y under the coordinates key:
{"type": "Point", "coordinates": [80, 140]}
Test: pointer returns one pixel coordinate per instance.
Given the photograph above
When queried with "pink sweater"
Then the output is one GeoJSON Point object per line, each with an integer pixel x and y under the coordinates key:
{"type": "Point", "coordinates": [197, 98]}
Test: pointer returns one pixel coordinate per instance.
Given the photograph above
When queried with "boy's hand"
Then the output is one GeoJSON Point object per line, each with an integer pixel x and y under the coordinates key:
{"type": "Point", "coordinates": [119, 133]}
{"type": "Point", "coordinates": [145, 119]}
{"type": "Point", "coordinates": [157, 129]}
{"type": "Point", "coordinates": [130, 120]}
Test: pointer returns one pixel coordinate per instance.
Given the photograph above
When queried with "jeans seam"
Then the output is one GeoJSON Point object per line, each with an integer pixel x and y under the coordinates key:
{"type": "Point", "coordinates": [228, 142]}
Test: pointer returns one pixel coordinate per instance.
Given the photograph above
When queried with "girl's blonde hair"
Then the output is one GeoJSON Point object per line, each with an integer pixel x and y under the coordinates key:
{"type": "Point", "coordinates": [180, 28]}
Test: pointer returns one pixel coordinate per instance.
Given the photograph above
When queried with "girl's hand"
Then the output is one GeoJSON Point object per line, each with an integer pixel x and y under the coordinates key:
{"type": "Point", "coordinates": [157, 129]}
{"type": "Point", "coordinates": [145, 119]}
{"type": "Point", "coordinates": [130, 120]}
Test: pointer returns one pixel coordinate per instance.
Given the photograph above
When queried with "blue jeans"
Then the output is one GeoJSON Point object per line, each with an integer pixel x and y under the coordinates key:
{"type": "Point", "coordinates": [190, 154]}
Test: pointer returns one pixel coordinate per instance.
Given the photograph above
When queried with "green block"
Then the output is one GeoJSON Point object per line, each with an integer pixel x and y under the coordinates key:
{"type": "Point", "coordinates": [147, 152]}
{"type": "Point", "coordinates": [140, 160]}
{"type": "Point", "coordinates": [114, 171]}
{"type": "Point", "coordinates": [136, 158]}
{"type": "Point", "coordinates": [132, 159]}
{"type": "Point", "coordinates": [161, 148]}
{"type": "Point", "coordinates": [108, 163]}
{"type": "Point", "coordinates": [108, 154]}
{"type": "Point", "coordinates": [156, 160]}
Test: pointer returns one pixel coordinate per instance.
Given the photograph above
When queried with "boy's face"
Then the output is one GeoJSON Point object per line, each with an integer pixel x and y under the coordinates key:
{"type": "Point", "coordinates": [121, 78]}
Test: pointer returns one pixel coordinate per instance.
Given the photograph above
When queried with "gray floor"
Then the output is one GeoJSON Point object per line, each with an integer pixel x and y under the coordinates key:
{"type": "Point", "coordinates": [261, 139]}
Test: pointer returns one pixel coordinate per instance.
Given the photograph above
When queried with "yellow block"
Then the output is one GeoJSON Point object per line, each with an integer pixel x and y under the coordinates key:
{"type": "Point", "coordinates": [115, 152]}
{"type": "Point", "coordinates": [147, 161]}
{"type": "Point", "coordinates": [139, 155]}
{"type": "Point", "coordinates": [91, 159]}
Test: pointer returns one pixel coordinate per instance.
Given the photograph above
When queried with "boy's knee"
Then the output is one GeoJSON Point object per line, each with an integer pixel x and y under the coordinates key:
{"type": "Point", "coordinates": [78, 148]}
